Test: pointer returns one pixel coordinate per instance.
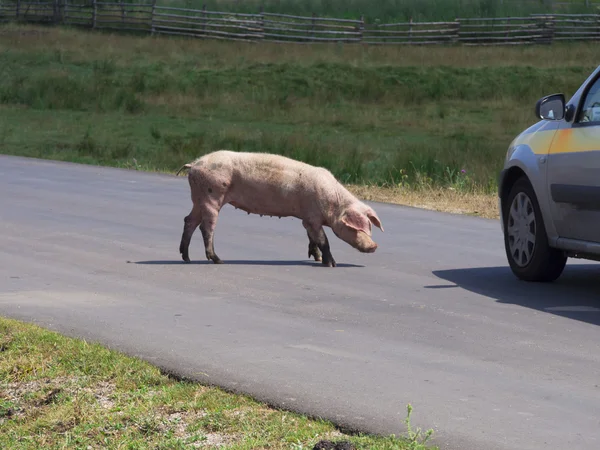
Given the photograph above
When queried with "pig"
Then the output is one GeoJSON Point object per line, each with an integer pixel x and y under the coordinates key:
{"type": "Point", "coordinates": [274, 185]}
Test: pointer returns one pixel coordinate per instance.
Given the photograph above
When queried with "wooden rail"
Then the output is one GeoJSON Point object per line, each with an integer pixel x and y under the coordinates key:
{"type": "Point", "coordinates": [150, 17]}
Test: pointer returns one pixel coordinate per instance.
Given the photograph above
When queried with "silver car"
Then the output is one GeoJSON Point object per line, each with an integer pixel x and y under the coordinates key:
{"type": "Point", "coordinates": [549, 188]}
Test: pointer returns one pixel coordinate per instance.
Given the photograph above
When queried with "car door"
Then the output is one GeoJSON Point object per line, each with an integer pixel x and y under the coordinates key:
{"type": "Point", "coordinates": [574, 170]}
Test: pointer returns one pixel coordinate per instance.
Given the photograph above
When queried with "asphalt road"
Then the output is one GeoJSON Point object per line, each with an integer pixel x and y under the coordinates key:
{"type": "Point", "coordinates": [433, 318]}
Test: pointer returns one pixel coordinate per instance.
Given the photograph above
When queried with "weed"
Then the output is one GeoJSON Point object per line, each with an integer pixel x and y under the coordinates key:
{"type": "Point", "coordinates": [415, 439]}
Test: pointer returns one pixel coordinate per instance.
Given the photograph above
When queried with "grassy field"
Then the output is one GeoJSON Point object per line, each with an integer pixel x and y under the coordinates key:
{"type": "Point", "coordinates": [57, 393]}
{"type": "Point", "coordinates": [391, 10]}
{"type": "Point", "coordinates": [421, 125]}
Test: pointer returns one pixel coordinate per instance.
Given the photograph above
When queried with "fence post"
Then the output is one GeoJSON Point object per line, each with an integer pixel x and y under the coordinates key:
{"type": "Point", "coordinates": [551, 32]}
{"type": "Point", "coordinates": [361, 28]}
{"type": "Point", "coordinates": [204, 20]}
{"type": "Point", "coordinates": [457, 31]}
{"type": "Point", "coordinates": [55, 11]}
{"type": "Point", "coordinates": [94, 13]}
{"type": "Point", "coordinates": [18, 9]}
{"type": "Point", "coordinates": [313, 26]}
{"type": "Point", "coordinates": [152, 29]}
{"type": "Point", "coordinates": [546, 27]}
{"type": "Point", "coordinates": [261, 21]}
{"type": "Point", "coordinates": [65, 12]}
{"type": "Point", "coordinates": [410, 31]}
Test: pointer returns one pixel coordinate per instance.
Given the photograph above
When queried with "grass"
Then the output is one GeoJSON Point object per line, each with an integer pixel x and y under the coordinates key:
{"type": "Point", "coordinates": [435, 121]}
{"type": "Point", "coordinates": [58, 392]}
{"type": "Point", "coordinates": [391, 10]}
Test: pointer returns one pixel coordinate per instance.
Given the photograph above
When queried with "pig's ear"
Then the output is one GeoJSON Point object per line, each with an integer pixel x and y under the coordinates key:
{"type": "Point", "coordinates": [372, 215]}
{"type": "Point", "coordinates": [357, 221]}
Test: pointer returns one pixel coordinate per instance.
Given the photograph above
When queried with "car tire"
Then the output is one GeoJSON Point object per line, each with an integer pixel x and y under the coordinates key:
{"type": "Point", "coordinates": [530, 258]}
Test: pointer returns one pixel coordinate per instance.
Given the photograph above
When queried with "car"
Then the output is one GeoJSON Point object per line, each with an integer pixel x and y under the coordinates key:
{"type": "Point", "coordinates": [549, 186]}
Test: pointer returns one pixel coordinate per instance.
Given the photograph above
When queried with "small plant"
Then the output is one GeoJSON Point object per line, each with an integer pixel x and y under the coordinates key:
{"type": "Point", "coordinates": [414, 437]}
{"type": "Point", "coordinates": [457, 179]}
{"type": "Point", "coordinates": [133, 164]}
{"type": "Point", "coordinates": [402, 179]}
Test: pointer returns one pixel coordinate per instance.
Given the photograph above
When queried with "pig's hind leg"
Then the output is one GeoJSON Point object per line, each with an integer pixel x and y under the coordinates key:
{"type": "Point", "coordinates": [190, 222]}
{"type": "Point", "coordinates": [207, 227]}
{"type": "Point", "coordinates": [204, 217]}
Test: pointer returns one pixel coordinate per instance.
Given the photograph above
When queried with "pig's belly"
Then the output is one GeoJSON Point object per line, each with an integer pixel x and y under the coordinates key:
{"type": "Point", "coordinates": [266, 202]}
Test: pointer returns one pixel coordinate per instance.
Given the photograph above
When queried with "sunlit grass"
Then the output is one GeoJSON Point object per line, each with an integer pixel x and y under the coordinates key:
{"type": "Point", "coordinates": [57, 392]}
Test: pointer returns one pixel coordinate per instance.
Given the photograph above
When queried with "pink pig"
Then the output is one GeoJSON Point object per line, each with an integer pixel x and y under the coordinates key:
{"type": "Point", "coordinates": [273, 185]}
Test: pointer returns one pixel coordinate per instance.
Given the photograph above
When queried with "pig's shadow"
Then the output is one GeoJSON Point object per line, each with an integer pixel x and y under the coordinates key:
{"type": "Point", "coordinates": [242, 262]}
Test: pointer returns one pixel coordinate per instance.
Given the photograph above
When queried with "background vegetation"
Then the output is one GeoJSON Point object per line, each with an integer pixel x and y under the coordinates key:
{"type": "Point", "coordinates": [395, 10]}
{"type": "Point", "coordinates": [439, 117]}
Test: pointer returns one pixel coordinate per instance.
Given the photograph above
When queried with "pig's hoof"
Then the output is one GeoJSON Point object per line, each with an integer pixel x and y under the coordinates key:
{"type": "Point", "coordinates": [216, 259]}
{"type": "Point", "coordinates": [329, 263]}
{"type": "Point", "coordinates": [185, 257]}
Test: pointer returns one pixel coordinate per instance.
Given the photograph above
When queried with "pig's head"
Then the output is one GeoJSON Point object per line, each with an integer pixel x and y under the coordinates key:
{"type": "Point", "coordinates": [354, 227]}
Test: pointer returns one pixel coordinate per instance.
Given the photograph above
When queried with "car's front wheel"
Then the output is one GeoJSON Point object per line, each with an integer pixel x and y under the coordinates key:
{"type": "Point", "coordinates": [525, 239]}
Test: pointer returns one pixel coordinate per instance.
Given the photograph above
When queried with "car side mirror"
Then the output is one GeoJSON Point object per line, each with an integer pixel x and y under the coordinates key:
{"type": "Point", "coordinates": [551, 107]}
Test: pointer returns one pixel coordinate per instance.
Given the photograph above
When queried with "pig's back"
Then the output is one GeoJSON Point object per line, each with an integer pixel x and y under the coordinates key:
{"type": "Point", "coordinates": [274, 185]}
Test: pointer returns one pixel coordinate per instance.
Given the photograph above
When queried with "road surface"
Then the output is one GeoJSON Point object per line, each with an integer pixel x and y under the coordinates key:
{"type": "Point", "coordinates": [433, 318]}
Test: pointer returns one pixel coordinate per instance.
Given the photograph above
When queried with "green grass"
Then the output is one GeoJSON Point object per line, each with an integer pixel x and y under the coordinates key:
{"type": "Point", "coordinates": [58, 392]}
{"type": "Point", "coordinates": [390, 10]}
{"type": "Point", "coordinates": [439, 117]}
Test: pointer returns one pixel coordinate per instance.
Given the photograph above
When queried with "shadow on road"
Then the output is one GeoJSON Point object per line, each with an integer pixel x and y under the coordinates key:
{"type": "Point", "coordinates": [243, 262]}
{"type": "Point", "coordinates": [576, 294]}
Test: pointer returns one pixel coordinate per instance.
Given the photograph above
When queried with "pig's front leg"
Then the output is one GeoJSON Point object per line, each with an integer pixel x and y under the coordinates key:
{"type": "Point", "coordinates": [318, 236]}
{"type": "Point", "coordinates": [313, 249]}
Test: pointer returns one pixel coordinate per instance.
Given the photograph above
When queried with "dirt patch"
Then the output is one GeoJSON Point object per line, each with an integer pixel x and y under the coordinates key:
{"type": "Point", "coordinates": [103, 392]}
{"type": "Point", "coordinates": [28, 396]}
{"type": "Point", "coordinates": [445, 200]}
{"type": "Point", "coordinates": [179, 422]}
{"type": "Point", "coordinates": [215, 440]}
{"type": "Point", "coordinates": [32, 395]}
{"type": "Point", "coordinates": [16, 392]}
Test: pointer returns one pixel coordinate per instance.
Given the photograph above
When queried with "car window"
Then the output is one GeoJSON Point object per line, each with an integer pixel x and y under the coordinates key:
{"type": "Point", "coordinates": [590, 111]}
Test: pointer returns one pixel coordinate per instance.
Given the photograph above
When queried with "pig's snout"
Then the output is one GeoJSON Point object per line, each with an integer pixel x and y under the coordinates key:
{"type": "Point", "coordinates": [368, 248]}
{"type": "Point", "coordinates": [365, 244]}
{"type": "Point", "coordinates": [372, 248]}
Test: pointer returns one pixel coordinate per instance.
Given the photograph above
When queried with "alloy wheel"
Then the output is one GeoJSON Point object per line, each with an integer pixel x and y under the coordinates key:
{"type": "Point", "coordinates": [521, 229]}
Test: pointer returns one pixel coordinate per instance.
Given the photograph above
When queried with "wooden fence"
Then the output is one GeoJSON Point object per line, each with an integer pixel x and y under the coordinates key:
{"type": "Point", "coordinates": [268, 27]}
